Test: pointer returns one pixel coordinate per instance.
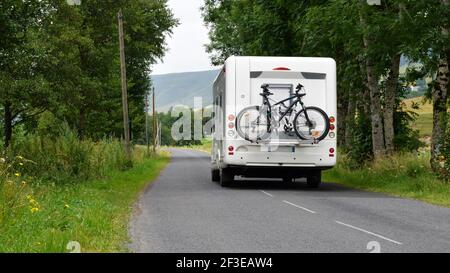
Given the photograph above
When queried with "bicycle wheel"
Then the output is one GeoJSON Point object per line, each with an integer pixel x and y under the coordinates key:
{"type": "Point", "coordinates": [318, 128]}
{"type": "Point", "coordinates": [252, 124]}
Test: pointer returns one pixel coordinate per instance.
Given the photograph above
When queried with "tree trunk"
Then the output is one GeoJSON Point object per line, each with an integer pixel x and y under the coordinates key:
{"type": "Point", "coordinates": [342, 105]}
{"type": "Point", "coordinates": [439, 95]}
{"type": "Point", "coordinates": [378, 146]}
{"type": "Point", "coordinates": [350, 122]}
{"type": "Point", "coordinates": [7, 120]}
{"type": "Point", "coordinates": [375, 113]}
{"type": "Point", "coordinates": [363, 101]}
{"type": "Point", "coordinates": [389, 103]}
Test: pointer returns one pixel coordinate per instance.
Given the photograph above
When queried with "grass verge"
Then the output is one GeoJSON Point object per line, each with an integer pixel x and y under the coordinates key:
{"type": "Point", "coordinates": [405, 175]}
{"type": "Point", "coordinates": [204, 147]}
{"type": "Point", "coordinates": [94, 213]}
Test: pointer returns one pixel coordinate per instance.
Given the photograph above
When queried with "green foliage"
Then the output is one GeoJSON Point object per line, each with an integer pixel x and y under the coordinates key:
{"type": "Point", "coordinates": [405, 174]}
{"type": "Point", "coordinates": [360, 147]}
{"type": "Point", "coordinates": [355, 34]}
{"type": "Point", "coordinates": [65, 158]}
{"type": "Point", "coordinates": [43, 217]}
{"type": "Point", "coordinates": [65, 60]}
{"type": "Point", "coordinates": [167, 122]}
{"type": "Point", "coordinates": [444, 162]}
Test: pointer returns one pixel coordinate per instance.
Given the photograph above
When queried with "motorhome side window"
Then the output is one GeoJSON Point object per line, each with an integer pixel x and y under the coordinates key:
{"type": "Point", "coordinates": [215, 116]}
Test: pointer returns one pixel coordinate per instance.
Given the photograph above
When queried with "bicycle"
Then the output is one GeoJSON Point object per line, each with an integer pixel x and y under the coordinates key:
{"type": "Point", "coordinates": [256, 123]}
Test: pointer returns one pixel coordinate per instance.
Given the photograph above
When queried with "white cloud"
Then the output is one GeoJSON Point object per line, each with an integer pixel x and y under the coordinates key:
{"type": "Point", "coordinates": [186, 46]}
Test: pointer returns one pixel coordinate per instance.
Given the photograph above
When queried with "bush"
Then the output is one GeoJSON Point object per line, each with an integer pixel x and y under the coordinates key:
{"type": "Point", "coordinates": [360, 148]}
{"type": "Point", "coordinates": [65, 158]}
{"type": "Point", "coordinates": [49, 160]}
{"type": "Point", "coordinates": [13, 188]}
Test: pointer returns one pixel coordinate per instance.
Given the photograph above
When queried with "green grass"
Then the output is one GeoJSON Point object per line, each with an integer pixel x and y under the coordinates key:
{"type": "Point", "coordinates": [424, 121]}
{"type": "Point", "coordinates": [204, 147]}
{"type": "Point", "coordinates": [404, 175]}
{"type": "Point", "coordinates": [425, 106]}
{"type": "Point", "coordinates": [94, 213]}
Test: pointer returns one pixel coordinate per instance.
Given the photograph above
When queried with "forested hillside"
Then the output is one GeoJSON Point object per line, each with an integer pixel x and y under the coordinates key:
{"type": "Point", "coordinates": [181, 88]}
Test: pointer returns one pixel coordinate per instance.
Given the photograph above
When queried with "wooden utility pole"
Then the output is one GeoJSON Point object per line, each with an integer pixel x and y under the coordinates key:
{"type": "Point", "coordinates": [146, 123]}
{"type": "Point", "coordinates": [123, 74]}
{"type": "Point", "coordinates": [154, 121]}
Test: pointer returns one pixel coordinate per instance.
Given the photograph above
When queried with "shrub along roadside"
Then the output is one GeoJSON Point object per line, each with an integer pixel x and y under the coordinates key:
{"type": "Point", "coordinates": [64, 158]}
{"type": "Point", "coordinates": [95, 213]}
{"type": "Point", "coordinates": [406, 175]}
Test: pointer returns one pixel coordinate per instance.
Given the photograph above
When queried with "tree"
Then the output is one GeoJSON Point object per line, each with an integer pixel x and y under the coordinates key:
{"type": "Point", "coordinates": [431, 50]}
{"type": "Point", "coordinates": [24, 90]}
{"type": "Point", "coordinates": [65, 59]}
{"type": "Point", "coordinates": [366, 41]}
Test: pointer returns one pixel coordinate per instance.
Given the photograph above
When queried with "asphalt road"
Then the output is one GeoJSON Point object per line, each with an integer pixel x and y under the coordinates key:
{"type": "Point", "coordinates": [184, 211]}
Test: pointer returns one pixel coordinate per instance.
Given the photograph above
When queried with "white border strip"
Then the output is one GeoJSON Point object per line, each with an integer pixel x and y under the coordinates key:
{"type": "Point", "coordinates": [266, 193]}
{"type": "Point", "coordinates": [300, 207]}
{"type": "Point", "coordinates": [368, 232]}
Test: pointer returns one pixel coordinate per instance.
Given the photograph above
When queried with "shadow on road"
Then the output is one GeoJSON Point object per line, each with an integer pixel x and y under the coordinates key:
{"type": "Point", "coordinates": [326, 188]}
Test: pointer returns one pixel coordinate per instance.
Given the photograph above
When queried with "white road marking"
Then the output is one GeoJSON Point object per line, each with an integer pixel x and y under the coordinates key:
{"type": "Point", "coordinates": [368, 232]}
{"type": "Point", "coordinates": [266, 193]}
{"type": "Point", "coordinates": [300, 207]}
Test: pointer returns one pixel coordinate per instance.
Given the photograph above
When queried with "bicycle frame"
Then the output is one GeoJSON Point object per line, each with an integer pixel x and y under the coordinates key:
{"type": "Point", "coordinates": [289, 108]}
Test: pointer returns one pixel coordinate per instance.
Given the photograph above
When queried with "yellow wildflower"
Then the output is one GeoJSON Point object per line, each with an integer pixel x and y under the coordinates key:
{"type": "Point", "coordinates": [17, 174]}
{"type": "Point", "coordinates": [19, 157]}
{"type": "Point", "coordinates": [33, 210]}
{"type": "Point", "coordinates": [21, 164]}
{"type": "Point", "coordinates": [66, 206]}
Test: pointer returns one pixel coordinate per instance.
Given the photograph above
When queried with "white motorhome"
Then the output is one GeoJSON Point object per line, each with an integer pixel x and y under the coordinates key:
{"type": "Point", "coordinates": [239, 85]}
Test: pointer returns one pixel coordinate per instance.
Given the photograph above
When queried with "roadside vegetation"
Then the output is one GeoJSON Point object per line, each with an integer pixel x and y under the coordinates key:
{"type": "Point", "coordinates": [423, 121]}
{"type": "Point", "coordinates": [64, 175]}
{"type": "Point", "coordinates": [406, 175]}
{"type": "Point", "coordinates": [72, 190]}
{"type": "Point", "coordinates": [204, 146]}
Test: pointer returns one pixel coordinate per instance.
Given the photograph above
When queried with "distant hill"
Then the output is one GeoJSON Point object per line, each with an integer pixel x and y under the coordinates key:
{"type": "Point", "coordinates": [181, 88]}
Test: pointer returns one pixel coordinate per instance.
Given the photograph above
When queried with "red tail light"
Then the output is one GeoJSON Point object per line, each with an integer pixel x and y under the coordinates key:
{"type": "Point", "coordinates": [332, 127]}
{"type": "Point", "coordinates": [230, 148]}
{"type": "Point", "coordinates": [332, 119]}
{"type": "Point", "coordinates": [281, 69]}
{"type": "Point", "coordinates": [331, 150]}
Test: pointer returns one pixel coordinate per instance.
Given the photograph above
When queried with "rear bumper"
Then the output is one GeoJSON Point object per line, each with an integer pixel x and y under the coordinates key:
{"type": "Point", "coordinates": [275, 171]}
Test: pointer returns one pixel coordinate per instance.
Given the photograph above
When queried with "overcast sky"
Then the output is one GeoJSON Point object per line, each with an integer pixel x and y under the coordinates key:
{"type": "Point", "coordinates": [186, 51]}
